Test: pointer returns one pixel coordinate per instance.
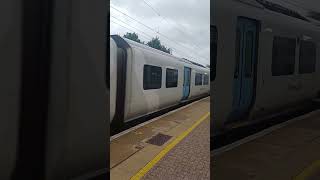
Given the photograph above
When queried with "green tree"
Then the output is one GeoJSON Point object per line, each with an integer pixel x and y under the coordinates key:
{"type": "Point", "coordinates": [133, 37]}
{"type": "Point", "coordinates": [155, 43]}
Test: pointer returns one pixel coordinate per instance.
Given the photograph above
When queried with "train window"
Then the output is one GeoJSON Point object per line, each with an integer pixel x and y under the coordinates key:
{"type": "Point", "coordinates": [198, 79]}
{"type": "Point", "coordinates": [283, 60]}
{"type": "Point", "coordinates": [152, 77]}
{"type": "Point", "coordinates": [213, 53]}
{"type": "Point", "coordinates": [205, 80]}
{"type": "Point", "coordinates": [171, 78]}
{"type": "Point", "coordinates": [307, 59]}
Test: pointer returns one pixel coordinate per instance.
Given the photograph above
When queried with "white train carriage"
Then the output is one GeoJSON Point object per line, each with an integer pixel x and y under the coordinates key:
{"type": "Point", "coordinates": [113, 80]}
{"type": "Point", "coordinates": [267, 60]}
{"type": "Point", "coordinates": [150, 80]}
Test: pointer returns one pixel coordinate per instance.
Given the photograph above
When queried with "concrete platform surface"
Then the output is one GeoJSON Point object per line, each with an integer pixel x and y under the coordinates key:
{"type": "Point", "coordinates": [190, 159]}
{"type": "Point", "coordinates": [289, 153]}
{"type": "Point", "coordinates": [132, 156]}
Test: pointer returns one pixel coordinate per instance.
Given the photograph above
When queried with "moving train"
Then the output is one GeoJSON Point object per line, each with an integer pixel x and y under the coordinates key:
{"type": "Point", "coordinates": [144, 80]}
{"type": "Point", "coordinates": [265, 60]}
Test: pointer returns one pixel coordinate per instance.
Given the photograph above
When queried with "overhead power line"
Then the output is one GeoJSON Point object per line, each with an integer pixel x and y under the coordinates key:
{"type": "Point", "coordinates": [131, 26]}
{"type": "Point", "coordinates": [157, 32]}
{"type": "Point", "coordinates": [182, 54]}
{"type": "Point", "coordinates": [129, 29]}
{"type": "Point", "coordinates": [152, 8]}
{"type": "Point", "coordinates": [170, 23]}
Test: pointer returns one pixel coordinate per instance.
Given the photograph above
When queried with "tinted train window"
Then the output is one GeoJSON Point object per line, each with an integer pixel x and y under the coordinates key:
{"type": "Point", "coordinates": [205, 80]}
{"type": "Point", "coordinates": [152, 76]}
{"type": "Point", "coordinates": [213, 53]}
{"type": "Point", "coordinates": [307, 59]}
{"type": "Point", "coordinates": [198, 79]}
{"type": "Point", "coordinates": [283, 60]}
{"type": "Point", "coordinates": [171, 78]}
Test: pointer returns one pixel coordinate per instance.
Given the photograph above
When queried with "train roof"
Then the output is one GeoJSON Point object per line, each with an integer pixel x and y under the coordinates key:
{"type": "Point", "coordinates": [267, 11]}
{"type": "Point", "coordinates": [143, 46]}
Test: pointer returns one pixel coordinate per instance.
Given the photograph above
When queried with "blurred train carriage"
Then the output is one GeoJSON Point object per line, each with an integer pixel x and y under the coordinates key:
{"type": "Point", "coordinates": [264, 59]}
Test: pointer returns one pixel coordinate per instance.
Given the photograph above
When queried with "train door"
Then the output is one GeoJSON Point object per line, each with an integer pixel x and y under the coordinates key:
{"type": "Point", "coordinates": [186, 83]}
{"type": "Point", "coordinates": [246, 46]}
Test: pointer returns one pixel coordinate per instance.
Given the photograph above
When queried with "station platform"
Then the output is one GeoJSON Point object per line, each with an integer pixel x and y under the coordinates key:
{"type": "Point", "coordinates": [173, 146]}
{"type": "Point", "coordinates": [288, 151]}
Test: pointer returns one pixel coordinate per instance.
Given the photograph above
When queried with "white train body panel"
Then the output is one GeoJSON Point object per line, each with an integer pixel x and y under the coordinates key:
{"type": "Point", "coordinates": [113, 80]}
{"type": "Point", "coordinates": [196, 91]}
{"type": "Point", "coordinates": [140, 101]}
{"type": "Point", "coordinates": [274, 91]}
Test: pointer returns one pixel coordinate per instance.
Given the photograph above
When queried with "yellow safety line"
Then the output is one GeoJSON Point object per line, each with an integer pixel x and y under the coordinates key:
{"type": "Point", "coordinates": [308, 171]}
{"type": "Point", "coordinates": [166, 149]}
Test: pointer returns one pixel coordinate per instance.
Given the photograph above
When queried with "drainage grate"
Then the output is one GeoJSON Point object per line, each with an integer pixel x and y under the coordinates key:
{"type": "Point", "coordinates": [159, 139]}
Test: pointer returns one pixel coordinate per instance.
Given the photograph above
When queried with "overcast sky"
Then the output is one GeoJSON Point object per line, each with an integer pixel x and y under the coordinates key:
{"type": "Point", "coordinates": [185, 24]}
